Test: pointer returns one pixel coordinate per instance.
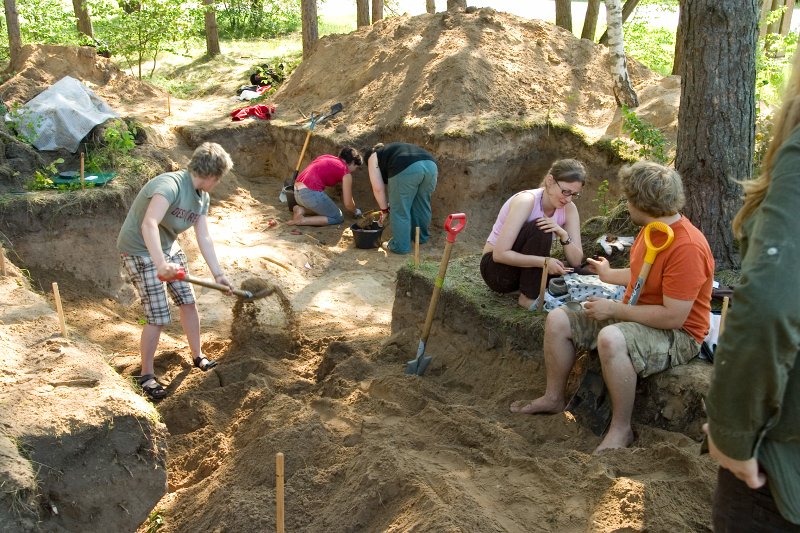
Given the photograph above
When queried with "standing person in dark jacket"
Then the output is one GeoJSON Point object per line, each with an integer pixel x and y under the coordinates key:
{"type": "Point", "coordinates": [409, 173]}
{"type": "Point", "coordinates": [754, 402]}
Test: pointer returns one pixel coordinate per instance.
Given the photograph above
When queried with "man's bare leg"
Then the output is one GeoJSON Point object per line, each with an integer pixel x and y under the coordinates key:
{"type": "Point", "coordinates": [559, 357]}
{"type": "Point", "coordinates": [620, 378]}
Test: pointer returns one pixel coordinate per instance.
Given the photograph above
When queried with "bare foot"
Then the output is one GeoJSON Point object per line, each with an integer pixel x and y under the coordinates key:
{"type": "Point", "coordinates": [539, 406]}
{"type": "Point", "coordinates": [526, 302]}
{"type": "Point", "coordinates": [298, 214]}
{"type": "Point", "coordinates": [614, 439]}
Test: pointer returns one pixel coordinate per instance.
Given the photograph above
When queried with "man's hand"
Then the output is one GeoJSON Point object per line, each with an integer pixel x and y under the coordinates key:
{"type": "Point", "coordinates": [167, 271]}
{"type": "Point", "coordinates": [599, 266]}
{"type": "Point", "coordinates": [746, 471]}
{"type": "Point", "coordinates": [600, 308]}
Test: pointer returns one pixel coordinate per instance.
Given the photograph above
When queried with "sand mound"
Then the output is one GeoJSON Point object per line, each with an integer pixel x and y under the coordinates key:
{"type": "Point", "coordinates": [457, 72]}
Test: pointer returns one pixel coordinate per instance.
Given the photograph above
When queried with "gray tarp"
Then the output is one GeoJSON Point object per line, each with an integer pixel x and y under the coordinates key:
{"type": "Point", "coordinates": [61, 116]}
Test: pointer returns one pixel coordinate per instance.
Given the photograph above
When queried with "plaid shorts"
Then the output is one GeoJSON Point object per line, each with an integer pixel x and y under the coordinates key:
{"type": "Point", "coordinates": [142, 273]}
{"type": "Point", "coordinates": [651, 349]}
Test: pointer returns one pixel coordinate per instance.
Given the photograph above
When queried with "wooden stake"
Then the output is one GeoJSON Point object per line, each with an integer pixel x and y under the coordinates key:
{"type": "Point", "coordinates": [169, 106]}
{"type": "Point", "coordinates": [543, 285]}
{"type": "Point", "coordinates": [2, 260]}
{"type": "Point", "coordinates": [82, 179]}
{"type": "Point", "coordinates": [416, 249]}
{"type": "Point", "coordinates": [279, 492]}
{"type": "Point", "coordinates": [722, 315]}
{"type": "Point", "coordinates": [60, 311]}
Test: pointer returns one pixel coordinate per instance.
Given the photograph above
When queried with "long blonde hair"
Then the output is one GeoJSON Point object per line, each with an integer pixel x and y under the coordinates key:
{"type": "Point", "coordinates": [787, 119]}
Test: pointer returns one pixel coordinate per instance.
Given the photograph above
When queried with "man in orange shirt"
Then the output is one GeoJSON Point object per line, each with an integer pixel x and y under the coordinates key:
{"type": "Point", "coordinates": [666, 326]}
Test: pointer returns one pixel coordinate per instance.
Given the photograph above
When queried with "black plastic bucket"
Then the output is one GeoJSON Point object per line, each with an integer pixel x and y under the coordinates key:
{"type": "Point", "coordinates": [367, 237]}
{"type": "Point", "coordinates": [290, 201]}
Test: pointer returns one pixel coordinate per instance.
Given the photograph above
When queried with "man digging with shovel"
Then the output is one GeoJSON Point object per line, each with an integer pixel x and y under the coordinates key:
{"type": "Point", "coordinates": [167, 205]}
{"type": "Point", "coordinates": [666, 326]}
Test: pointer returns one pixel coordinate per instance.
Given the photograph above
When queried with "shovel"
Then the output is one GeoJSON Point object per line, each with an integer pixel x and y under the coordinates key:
{"type": "Point", "coordinates": [288, 186]}
{"type": "Point", "coordinates": [591, 404]}
{"type": "Point", "coordinates": [452, 225]}
{"type": "Point", "coordinates": [247, 296]}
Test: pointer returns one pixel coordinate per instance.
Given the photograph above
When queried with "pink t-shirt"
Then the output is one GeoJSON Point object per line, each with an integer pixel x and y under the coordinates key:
{"type": "Point", "coordinates": [560, 215]}
{"type": "Point", "coordinates": [324, 171]}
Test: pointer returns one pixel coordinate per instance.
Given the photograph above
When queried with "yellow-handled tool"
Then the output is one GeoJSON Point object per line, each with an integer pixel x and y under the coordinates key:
{"type": "Point", "coordinates": [650, 256]}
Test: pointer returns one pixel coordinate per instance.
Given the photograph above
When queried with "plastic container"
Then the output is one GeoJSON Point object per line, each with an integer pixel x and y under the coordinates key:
{"type": "Point", "coordinates": [367, 237]}
{"type": "Point", "coordinates": [290, 201]}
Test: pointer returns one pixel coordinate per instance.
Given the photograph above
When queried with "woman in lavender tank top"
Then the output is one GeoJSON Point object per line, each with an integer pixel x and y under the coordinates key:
{"type": "Point", "coordinates": [524, 231]}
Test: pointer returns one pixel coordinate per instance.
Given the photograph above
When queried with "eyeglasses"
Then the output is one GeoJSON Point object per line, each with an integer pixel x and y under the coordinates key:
{"type": "Point", "coordinates": [566, 193]}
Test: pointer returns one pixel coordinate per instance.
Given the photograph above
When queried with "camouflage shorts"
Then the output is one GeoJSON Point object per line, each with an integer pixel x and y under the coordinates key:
{"type": "Point", "coordinates": [651, 349]}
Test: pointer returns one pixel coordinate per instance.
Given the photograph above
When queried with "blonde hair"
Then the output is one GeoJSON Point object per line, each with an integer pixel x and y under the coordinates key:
{"type": "Point", "coordinates": [653, 188]}
{"type": "Point", "coordinates": [787, 119]}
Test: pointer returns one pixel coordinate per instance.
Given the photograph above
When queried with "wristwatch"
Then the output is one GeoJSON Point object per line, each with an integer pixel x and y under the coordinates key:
{"type": "Point", "coordinates": [567, 242]}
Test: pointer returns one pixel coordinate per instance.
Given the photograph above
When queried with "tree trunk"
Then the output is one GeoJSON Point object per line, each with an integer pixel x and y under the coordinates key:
{"type": "Point", "coordinates": [82, 15]}
{"type": "Point", "coordinates": [14, 36]}
{"type": "Point", "coordinates": [786, 21]}
{"type": "Point", "coordinates": [623, 90]}
{"type": "Point", "coordinates": [310, 28]}
{"type": "Point", "coordinates": [775, 26]}
{"type": "Point", "coordinates": [766, 6]}
{"type": "Point", "coordinates": [377, 10]}
{"type": "Point", "coordinates": [716, 117]}
{"type": "Point", "coordinates": [678, 59]}
{"type": "Point", "coordinates": [590, 22]}
{"type": "Point", "coordinates": [627, 10]}
{"type": "Point", "coordinates": [455, 5]}
{"type": "Point", "coordinates": [564, 14]}
{"type": "Point", "coordinates": [212, 31]}
{"type": "Point", "coordinates": [362, 13]}
{"type": "Point", "coordinates": [430, 6]}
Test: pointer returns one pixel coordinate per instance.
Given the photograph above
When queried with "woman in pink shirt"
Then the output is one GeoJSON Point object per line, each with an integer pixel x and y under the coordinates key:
{"type": "Point", "coordinates": [309, 189]}
{"type": "Point", "coordinates": [526, 226]}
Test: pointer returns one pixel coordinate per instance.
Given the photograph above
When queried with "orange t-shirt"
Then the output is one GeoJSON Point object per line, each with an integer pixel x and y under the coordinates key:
{"type": "Point", "coordinates": [684, 271]}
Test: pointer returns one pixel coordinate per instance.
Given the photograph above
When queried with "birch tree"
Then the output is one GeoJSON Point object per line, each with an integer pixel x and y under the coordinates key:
{"type": "Point", "coordinates": [623, 90]}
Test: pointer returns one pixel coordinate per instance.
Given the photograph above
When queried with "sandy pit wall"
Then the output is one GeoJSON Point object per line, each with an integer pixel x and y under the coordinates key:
{"type": "Point", "coordinates": [80, 450]}
{"type": "Point", "coordinates": [477, 172]}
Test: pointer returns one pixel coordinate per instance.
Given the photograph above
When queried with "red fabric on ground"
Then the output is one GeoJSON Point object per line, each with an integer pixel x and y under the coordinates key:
{"type": "Point", "coordinates": [262, 111]}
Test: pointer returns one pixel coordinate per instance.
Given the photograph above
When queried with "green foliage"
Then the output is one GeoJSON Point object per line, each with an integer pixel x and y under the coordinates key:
{"type": "Point", "coordinates": [652, 46]}
{"type": "Point", "coordinates": [601, 199]}
{"type": "Point", "coordinates": [47, 22]}
{"type": "Point", "coordinates": [258, 18]}
{"type": "Point", "coordinates": [141, 30]}
{"type": "Point", "coordinates": [42, 177]}
{"type": "Point", "coordinates": [650, 141]}
{"type": "Point", "coordinates": [117, 142]}
{"type": "Point", "coordinates": [155, 521]}
{"type": "Point", "coordinates": [22, 123]}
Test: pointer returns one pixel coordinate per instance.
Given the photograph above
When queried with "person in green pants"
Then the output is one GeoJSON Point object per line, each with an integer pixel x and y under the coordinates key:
{"type": "Point", "coordinates": [403, 177]}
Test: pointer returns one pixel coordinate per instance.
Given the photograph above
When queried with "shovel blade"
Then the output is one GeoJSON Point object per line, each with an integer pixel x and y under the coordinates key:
{"type": "Point", "coordinates": [418, 366]}
{"type": "Point", "coordinates": [591, 405]}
